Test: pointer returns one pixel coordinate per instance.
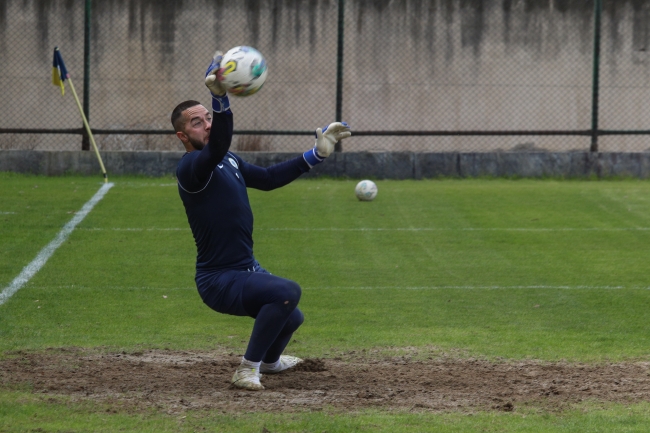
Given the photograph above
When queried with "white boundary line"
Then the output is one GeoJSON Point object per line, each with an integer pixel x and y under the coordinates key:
{"type": "Point", "coordinates": [469, 229]}
{"type": "Point", "coordinates": [31, 269]}
{"type": "Point", "coordinates": [136, 229]}
{"type": "Point", "coordinates": [476, 287]}
{"type": "Point", "coordinates": [531, 287]}
{"type": "Point", "coordinates": [370, 229]}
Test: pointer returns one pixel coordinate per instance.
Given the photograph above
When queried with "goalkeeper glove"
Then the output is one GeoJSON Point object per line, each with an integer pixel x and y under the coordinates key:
{"type": "Point", "coordinates": [326, 138]}
{"type": "Point", "coordinates": [220, 102]}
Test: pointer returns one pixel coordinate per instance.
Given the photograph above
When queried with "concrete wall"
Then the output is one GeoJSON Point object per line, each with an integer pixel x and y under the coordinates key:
{"type": "Point", "coordinates": [408, 64]}
{"type": "Point", "coordinates": [376, 165]}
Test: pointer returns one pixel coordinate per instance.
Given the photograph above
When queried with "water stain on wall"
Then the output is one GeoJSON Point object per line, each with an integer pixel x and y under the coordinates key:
{"type": "Point", "coordinates": [523, 22]}
{"type": "Point", "coordinates": [442, 64]}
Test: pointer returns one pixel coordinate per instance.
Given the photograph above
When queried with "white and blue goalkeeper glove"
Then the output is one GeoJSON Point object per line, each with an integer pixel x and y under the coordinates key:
{"type": "Point", "coordinates": [220, 101]}
{"type": "Point", "coordinates": [326, 138]}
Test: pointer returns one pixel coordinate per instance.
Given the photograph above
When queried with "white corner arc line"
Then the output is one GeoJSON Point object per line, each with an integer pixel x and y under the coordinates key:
{"type": "Point", "coordinates": [31, 269]}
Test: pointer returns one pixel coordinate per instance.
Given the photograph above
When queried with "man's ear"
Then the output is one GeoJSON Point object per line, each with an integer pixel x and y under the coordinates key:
{"type": "Point", "coordinates": [185, 140]}
{"type": "Point", "coordinates": [181, 136]}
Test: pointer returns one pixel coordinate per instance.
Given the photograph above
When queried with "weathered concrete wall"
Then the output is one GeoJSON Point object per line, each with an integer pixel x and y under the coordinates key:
{"type": "Point", "coordinates": [376, 165]}
{"type": "Point", "coordinates": [408, 64]}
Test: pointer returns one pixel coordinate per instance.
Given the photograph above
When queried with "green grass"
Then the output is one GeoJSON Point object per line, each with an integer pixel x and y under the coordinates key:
{"type": "Point", "coordinates": [497, 268]}
{"type": "Point", "coordinates": [21, 411]}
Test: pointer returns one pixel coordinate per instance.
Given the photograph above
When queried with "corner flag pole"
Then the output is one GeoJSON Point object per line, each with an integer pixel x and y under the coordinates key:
{"type": "Point", "coordinates": [90, 134]}
{"type": "Point", "coordinates": [59, 75]}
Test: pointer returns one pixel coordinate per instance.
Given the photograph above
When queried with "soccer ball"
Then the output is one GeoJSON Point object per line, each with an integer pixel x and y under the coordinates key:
{"type": "Point", "coordinates": [366, 190]}
{"type": "Point", "coordinates": [244, 71]}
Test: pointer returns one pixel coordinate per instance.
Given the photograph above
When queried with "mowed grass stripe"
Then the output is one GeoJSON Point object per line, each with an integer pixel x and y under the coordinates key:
{"type": "Point", "coordinates": [549, 324]}
{"type": "Point", "coordinates": [43, 256]}
{"type": "Point", "coordinates": [35, 209]}
{"type": "Point", "coordinates": [553, 296]}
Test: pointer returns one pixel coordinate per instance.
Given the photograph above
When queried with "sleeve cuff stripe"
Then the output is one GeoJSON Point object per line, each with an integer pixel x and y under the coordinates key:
{"type": "Point", "coordinates": [312, 158]}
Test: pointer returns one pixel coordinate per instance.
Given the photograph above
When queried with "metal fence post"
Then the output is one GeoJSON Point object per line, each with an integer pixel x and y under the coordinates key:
{"type": "Point", "coordinates": [339, 70]}
{"type": "Point", "coordinates": [596, 78]}
{"type": "Point", "coordinates": [85, 141]}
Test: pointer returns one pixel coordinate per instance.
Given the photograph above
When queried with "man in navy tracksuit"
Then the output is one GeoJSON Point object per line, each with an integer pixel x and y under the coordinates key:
{"type": "Point", "coordinates": [212, 184]}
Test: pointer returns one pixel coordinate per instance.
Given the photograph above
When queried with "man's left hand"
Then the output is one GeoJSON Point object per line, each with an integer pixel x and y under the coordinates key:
{"type": "Point", "coordinates": [326, 138]}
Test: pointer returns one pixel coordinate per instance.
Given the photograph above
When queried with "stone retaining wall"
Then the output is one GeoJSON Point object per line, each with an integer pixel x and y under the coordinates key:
{"type": "Point", "coordinates": [375, 165]}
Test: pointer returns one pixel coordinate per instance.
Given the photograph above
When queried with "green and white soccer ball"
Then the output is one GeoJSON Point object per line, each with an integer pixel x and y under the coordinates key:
{"type": "Point", "coordinates": [244, 71]}
{"type": "Point", "coordinates": [366, 190]}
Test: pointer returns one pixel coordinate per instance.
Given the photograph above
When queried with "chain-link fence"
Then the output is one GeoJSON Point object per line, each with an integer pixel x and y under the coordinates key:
{"type": "Point", "coordinates": [408, 75]}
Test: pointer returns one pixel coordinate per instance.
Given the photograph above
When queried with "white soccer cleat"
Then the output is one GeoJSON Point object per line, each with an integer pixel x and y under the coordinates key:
{"type": "Point", "coordinates": [247, 378]}
{"type": "Point", "coordinates": [285, 362]}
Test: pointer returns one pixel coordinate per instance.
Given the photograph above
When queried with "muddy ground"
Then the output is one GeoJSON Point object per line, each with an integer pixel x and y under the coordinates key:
{"type": "Point", "coordinates": [176, 381]}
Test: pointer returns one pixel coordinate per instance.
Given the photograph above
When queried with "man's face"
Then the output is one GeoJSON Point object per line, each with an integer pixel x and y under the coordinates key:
{"type": "Point", "coordinates": [197, 126]}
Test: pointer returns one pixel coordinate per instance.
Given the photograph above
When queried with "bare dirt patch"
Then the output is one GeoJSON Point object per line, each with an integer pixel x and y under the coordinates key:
{"type": "Point", "coordinates": [176, 381]}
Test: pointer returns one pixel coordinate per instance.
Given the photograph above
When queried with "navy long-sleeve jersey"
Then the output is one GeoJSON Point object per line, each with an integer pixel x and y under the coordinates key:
{"type": "Point", "coordinates": [212, 184]}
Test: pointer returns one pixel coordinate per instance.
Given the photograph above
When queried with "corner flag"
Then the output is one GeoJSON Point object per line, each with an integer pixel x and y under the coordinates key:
{"type": "Point", "coordinates": [59, 72]}
{"type": "Point", "coordinates": [59, 75]}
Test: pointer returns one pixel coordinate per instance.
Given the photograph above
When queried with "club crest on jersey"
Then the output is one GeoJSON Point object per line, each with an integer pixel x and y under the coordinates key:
{"type": "Point", "coordinates": [233, 162]}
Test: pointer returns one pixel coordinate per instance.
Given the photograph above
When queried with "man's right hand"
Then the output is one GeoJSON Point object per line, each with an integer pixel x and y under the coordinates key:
{"type": "Point", "coordinates": [213, 75]}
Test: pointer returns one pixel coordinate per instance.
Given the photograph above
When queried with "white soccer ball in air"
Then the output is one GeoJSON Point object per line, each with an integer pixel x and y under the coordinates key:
{"type": "Point", "coordinates": [366, 190]}
{"type": "Point", "coordinates": [244, 71]}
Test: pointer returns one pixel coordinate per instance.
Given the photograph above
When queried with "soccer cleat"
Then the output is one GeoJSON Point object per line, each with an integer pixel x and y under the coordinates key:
{"type": "Point", "coordinates": [285, 362]}
{"type": "Point", "coordinates": [247, 378]}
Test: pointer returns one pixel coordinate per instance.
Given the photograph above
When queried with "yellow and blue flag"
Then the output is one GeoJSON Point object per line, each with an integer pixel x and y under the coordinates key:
{"type": "Point", "coordinates": [59, 72]}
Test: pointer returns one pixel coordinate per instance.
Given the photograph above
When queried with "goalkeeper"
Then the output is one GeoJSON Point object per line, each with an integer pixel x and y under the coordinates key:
{"type": "Point", "coordinates": [212, 184]}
